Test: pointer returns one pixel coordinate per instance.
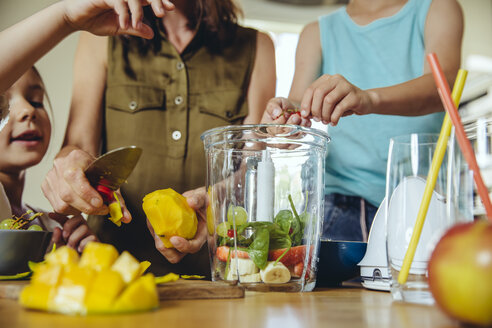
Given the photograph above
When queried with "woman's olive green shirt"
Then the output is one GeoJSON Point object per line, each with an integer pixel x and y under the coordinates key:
{"type": "Point", "coordinates": [171, 101]}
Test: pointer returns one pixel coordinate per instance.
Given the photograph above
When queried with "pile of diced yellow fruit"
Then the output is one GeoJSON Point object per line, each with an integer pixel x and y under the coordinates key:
{"type": "Point", "coordinates": [99, 281]}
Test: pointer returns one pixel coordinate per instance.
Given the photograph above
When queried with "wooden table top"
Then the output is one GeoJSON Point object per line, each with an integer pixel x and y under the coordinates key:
{"type": "Point", "coordinates": [337, 307]}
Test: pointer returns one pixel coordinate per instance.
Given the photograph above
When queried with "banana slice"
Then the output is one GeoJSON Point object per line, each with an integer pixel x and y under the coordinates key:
{"type": "Point", "coordinates": [244, 267]}
{"type": "Point", "coordinates": [275, 273]}
{"type": "Point", "coordinates": [247, 278]}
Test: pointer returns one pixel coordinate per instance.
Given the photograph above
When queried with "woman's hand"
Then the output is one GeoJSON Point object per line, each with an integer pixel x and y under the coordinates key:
{"type": "Point", "coordinates": [113, 17]}
{"type": "Point", "coordinates": [68, 190]}
{"type": "Point", "coordinates": [198, 200]}
{"type": "Point", "coordinates": [75, 232]}
{"type": "Point", "coordinates": [282, 111]}
{"type": "Point", "coordinates": [331, 97]}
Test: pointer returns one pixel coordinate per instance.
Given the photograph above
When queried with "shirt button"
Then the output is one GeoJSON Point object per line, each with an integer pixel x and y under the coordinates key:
{"type": "Point", "coordinates": [180, 66]}
{"type": "Point", "coordinates": [178, 100]}
{"type": "Point", "coordinates": [176, 135]}
{"type": "Point", "coordinates": [132, 105]}
{"type": "Point", "coordinates": [229, 114]}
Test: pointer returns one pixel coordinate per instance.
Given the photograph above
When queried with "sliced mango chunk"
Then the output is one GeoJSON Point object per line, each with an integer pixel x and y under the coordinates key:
{"type": "Point", "coordinates": [139, 295]}
{"type": "Point", "coordinates": [63, 255]}
{"type": "Point", "coordinates": [72, 290]}
{"type": "Point", "coordinates": [127, 266]}
{"type": "Point", "coordinates": [105, 289]}
{"type": "Point", "coordinates": [36, 297]}
{"type": "Point", "coordinates": [98, 256]}
{"type": "Point", "coordinates": [46, 274]}
{"type": "Point", "coordinates": [100, 281]}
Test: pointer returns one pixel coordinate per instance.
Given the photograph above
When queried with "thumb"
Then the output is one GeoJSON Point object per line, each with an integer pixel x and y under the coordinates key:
{"type": "Point", "coordinates": [143, 31]}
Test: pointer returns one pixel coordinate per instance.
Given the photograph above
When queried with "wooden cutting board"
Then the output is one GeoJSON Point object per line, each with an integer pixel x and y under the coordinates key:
{"type": "Point", "coordinates": [177, 290]}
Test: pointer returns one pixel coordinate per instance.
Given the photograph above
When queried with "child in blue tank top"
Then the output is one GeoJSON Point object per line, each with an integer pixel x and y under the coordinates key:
{"type": "Point", "coordinates": [368, 59]}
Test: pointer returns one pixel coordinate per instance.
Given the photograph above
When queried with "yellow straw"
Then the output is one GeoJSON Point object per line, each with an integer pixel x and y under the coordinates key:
{"type": "Point", "coordinates": [431, 179]}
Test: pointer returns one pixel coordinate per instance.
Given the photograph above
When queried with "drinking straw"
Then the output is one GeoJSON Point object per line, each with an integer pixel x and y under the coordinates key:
{"type": "Point", "coordinates": [464, 143]}
{"type": "Point", "coordinates": [431, 178]}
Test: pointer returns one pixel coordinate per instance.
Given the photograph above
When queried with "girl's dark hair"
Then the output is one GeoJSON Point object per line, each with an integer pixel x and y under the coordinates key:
{"type": "Point", "coordinates": [215, 20]}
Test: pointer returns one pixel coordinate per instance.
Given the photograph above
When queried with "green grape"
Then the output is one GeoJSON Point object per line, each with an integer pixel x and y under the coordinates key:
{"type": "Point", "coordinates": [222, 229]}
{"type": "Point", "coordinates": [238, 213]}
{"type": "Point", "coordinates": [7, 224]}
{"type": "Point", "coordinates": [35, 227]}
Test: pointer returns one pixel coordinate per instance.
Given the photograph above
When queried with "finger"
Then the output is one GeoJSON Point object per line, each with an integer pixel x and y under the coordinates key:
{"type": "Point", "coordinates": [71, 225]}
{"type": "Point", "coordinates": [330, 101]}
{"type": "Point", "coordinates": [151, 229]}
{"type": "Point", "coordinates": [121, 9]}
{"type": "Point", "coordinates": [56, 239]}
{"type": "Point", "coordinates": [306, 122]}
{"type": "Point", "coordinates": [307, 99]}
{"type": "Point", "coordinates": [342, 107]}
{"type": "Point", "coordinates": [168, 5]}
{"type": "Point", "coordinates": [60, 218]}
{"type": "Point", "coordinates": [157, 7]}
{"type": "Point", "coordinates": [172, 255]}
{"type": "Point", "coordinates": [127, 217]}
{"type": "Point", "coordinates": [83, 243]}
{"type": "Point", "coordinates": [294, 119]}
{"type": "Point", "coordinates": [81, 232]}
{"type": "Point", "coordinates": [79, 190]}
{"type": "Point", "coordinates": [136, 13]}
{"type": "Point", "coordinates": [193, 245]}
{"type": "Point", "coordinates": [53, 197]}
{"type": "Point", "coordinates": [197, 198]}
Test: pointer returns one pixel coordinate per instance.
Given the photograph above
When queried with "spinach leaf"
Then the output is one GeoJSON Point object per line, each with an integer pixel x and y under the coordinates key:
{"type": "Point", "coordinates": [278, 237]}
{"type": "Point", "coordinates": [284, 219]}
{"type": "Point", "coordinates": [258, 250]}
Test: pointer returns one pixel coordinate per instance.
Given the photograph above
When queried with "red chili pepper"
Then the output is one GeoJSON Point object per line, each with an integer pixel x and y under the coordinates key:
{"type": "Point", "coordinates": [231, 233]}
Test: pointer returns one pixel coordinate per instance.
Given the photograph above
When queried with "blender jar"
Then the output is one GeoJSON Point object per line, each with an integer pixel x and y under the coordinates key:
{"type": "Point", "coordinates": [265, 212]}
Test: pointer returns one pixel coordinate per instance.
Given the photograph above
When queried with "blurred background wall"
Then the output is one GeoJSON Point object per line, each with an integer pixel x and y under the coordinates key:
{"type": "Point", "coordinates": [283, 21]}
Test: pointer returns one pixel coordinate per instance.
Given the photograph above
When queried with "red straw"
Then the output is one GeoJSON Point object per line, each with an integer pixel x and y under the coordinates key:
{"type": "Point", "coordinates": [466, 148]}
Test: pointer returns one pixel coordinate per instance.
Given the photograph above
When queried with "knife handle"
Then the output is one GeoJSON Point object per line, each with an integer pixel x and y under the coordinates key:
{"type": "Point", "coordinates": [106, 193]}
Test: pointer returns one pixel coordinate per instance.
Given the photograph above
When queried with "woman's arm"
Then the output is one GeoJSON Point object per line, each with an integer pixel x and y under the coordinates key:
{"type": "Point", "coordinates": [66, 186]}
{"type": "Point", "coordinates": [263, 78]}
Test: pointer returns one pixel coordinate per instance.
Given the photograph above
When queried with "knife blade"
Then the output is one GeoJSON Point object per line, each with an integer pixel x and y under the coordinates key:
{"type": "Point", "coordinates": [113, 168]}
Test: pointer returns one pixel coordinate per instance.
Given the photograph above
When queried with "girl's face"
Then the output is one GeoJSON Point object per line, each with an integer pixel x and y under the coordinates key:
{"type": "Point", "coordinates": [25, 138]}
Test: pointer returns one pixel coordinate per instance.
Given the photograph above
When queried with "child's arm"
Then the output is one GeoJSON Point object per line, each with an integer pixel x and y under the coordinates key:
{"type": "Point", "coordinates": [331, 96]}
{"type": "Point", "coordinates": [24, 43]}
{"type": "Point", "coordinates": [75, 232]}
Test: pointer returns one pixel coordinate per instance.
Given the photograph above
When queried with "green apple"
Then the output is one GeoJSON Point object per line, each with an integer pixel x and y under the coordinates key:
{"type": "Point", "coordinates": [460, 272]}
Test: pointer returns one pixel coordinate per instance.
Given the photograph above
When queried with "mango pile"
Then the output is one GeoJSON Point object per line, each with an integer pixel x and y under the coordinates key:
{"type": "Point", "coordinates": [100, 281]}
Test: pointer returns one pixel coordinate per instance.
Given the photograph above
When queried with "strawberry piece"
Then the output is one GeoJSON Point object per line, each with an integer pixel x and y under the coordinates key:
{"type": "Point", "coordinates": [292, 257]}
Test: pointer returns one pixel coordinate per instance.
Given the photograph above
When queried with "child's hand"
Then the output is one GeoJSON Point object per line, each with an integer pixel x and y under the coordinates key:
{"type": "Point", "coordinates": [113, 17]}
{"type": "Point", "coordinates": [75, 232]}
{"type": "Point", "coordinates": [198, 200]}
{"type": "Point", "coordinates": [282, 111]}
{"type": "Point", "coordinates": [331, 97]}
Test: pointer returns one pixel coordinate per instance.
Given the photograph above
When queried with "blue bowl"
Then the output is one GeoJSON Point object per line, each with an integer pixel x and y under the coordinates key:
{"type": "Point", "coordinates": [18, 247]}
{"type": "Point", "coordinates": [338, 262]}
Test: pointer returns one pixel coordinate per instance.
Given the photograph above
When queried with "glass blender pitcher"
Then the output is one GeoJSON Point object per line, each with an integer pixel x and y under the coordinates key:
{"type": "Point", "coordinates": [265, 191]}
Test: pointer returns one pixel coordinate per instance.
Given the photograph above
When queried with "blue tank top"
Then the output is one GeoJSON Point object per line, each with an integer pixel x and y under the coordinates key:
{"type": "Point", "coordinates": [386, 52]}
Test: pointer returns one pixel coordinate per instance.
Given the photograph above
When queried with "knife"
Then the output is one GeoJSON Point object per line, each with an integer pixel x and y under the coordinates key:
{"type": "Point", "coordinates": [109, 171]}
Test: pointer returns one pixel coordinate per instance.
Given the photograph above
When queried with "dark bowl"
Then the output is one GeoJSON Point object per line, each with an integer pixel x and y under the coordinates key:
{"type": "Point", "coordinates": [17, 247]}
{"type": "Point", "coordinates": [338, 262]}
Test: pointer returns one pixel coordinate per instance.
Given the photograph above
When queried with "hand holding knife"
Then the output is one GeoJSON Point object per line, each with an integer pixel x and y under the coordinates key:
{"type": "Point", "coordinates": [108, 172]}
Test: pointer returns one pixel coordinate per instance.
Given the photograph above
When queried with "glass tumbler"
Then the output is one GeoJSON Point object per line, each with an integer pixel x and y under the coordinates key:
{"type": "Point", "coordinates": [265, 190]}
{"type": "Point", "coordinates": [409, 162]}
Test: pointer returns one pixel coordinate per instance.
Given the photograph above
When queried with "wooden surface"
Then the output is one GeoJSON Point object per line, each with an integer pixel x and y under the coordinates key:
{"type": "Point", "coordinates": [177, 290]}
{"type": "Point", "coordinates": [340, 307]}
